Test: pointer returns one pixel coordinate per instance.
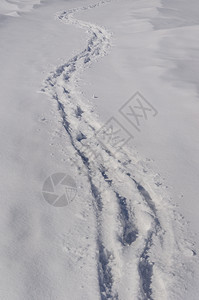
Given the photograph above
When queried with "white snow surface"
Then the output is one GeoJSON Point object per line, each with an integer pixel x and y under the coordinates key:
{"type": "Point", "coordinates": [14, 8]}
{"type": "Point", "coordinates": [132, 231]}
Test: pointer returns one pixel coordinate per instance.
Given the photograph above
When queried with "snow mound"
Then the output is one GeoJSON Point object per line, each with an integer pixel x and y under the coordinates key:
{"type": "Point", "coordinates": [15, 7]}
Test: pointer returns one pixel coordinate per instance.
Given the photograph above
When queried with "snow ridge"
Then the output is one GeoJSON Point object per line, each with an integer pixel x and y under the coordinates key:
{"type": "Point", "coordinates": [139, 251]}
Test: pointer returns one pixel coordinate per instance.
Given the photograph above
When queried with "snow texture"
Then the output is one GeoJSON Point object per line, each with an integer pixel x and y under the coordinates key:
{"type": "Point", "coordinates": [122, 237]}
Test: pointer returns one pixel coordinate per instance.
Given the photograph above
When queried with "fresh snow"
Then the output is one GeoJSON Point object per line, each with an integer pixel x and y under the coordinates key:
{"type": "Point", "coordinates": [67, 67]}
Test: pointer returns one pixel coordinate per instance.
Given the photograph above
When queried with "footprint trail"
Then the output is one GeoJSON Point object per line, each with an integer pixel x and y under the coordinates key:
{"type": "Point", "coordinates": [136, 242]}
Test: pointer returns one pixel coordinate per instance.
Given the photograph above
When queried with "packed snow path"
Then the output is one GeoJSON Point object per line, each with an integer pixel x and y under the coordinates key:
{"type": "Point", "coordinates": [139, 254]}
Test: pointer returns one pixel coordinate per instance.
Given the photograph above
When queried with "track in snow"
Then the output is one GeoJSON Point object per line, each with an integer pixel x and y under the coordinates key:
{"type": "Point", "coordinates": [134, 232]}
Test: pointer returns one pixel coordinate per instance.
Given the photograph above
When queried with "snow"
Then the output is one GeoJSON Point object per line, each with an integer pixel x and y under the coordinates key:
{"type": "Point", "coordinates": [14, 8]}
{"type": "Point", "coordinates": [67, 67]}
